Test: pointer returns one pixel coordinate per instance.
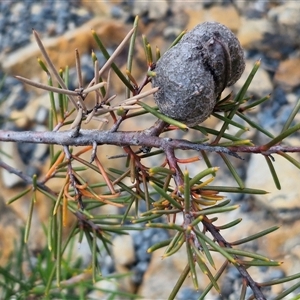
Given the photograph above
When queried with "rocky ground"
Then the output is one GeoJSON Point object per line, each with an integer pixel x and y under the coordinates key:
{"type": "Point", "coordinates": [267, 30]}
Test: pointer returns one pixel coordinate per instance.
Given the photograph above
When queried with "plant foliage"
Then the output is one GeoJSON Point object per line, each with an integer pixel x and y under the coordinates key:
{"type": "Point", "coordinates": [152, 173]}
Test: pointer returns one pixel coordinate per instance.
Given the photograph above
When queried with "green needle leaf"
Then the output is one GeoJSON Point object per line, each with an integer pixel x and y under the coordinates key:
{"type": "Point", "coordinates": [94, 256]}
{"type": "Point", "coordinates": [175, 248]}
{"type": "Point", "coordinates": [229, 189]}
{"type": "Point", "coordinates": [29, 218]}
{"type": "Point", "coordinates": [149, 55]}
{"type": "Point", "coordinates": [215, 210]}
{"type": "Point", "coordinates": [254, 125]}
{"type": "Point", "coordinates": [202, 174]}
{"type": "Point", "coordinates": [146, 219]}
{"type": "Point", "coordinates": [192, 265]}
{"type": "Point", "coordinates": [165, 195]}
{"type": "Point", "coordinates": [236, 143]}
{"type": "Point", "coordinates": [207, 161]}
{"type": "Point", "coordinates": [207, 272]}
{"type": "Point", "coordinates": [230, 224]}
{"type": "Point", "coordinates": [233, 171]}
{"type": "Point", "coordinates": [49, 232]}
{"type": "Point", "coordinates": [187, 192]}
{"type": "Point", "coordinates": [179, 282]}
{"type": "Point", "coordinates": [206, 251]}
{"type": "Point", "coordinates": [178, 39]}
{"type": "Point", "coordinates": [196, 221]}
{"type": "Point", "coordinates": [241, 94]}
{"type": "Point", "coordinates": [246, 254]}
{"type": "Point", "coordinates": [58, 234]}
{"type": "Point", "coordinates": [288, 292]}
{"type": "Point", "coordinates": [259, 263]}
{"type": "Point", "coordinates": [224, 135]}
{"type": "Point", "coordinates": [43, 66]}
{"type": "Point", "coordinates": [291, 117]}
{"type": "Point", "coordinates": [216, 277]}
{"type": "Point", "coordinates": [223, 203]}
{"type": "Point", "coordinates": [238, 99]}
{"type": "Point", "coordinates": [273, 172]}
{"type": "Point", "coordinates": [161, 116]}
{"type": "Point", "coordinates": [160, 170]}
{"type": "Point", "coordinates": [18, 196]}
{"type": "Point", "coordinates": [177, 237]}
{"type": "Point", "coordinates": [255, 103]}
{"type": "Point", "coordinates": [222, 118]}
{"type": "Point", "coordinates": [216, 247]}
{"type": "Point", "coordinates": [113, 65]}
{"type": "Point", "coordinates": [281, 280]}
{"type": "Point", "coordinates": [281, 136]}
{"type": "Point", "coordinates": [254, 236]}
{"type": "Point", "coordinates": [157, 53]}
{"type": "Point", "coordinates": [165, 226]}
{"type": "Point", "coordinates": [159, 245]}
{"type": "Point", "coordinates": [290, 159]}
{"type": "Point", "coordinates": [132, 44]}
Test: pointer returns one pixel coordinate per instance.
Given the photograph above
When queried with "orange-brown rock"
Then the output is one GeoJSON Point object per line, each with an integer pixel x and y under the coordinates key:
{"type": "Point", "coordinates": [288, 73]}
{"type": "Point", "coordinates": [61, 49]}
{"type": "Point", "coordinates": [226, 15]}
{"type": "Point", "coordinates": [252, 31]}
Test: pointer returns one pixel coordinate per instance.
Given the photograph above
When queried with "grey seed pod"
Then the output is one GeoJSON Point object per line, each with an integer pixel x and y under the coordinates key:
{"type": "Point", "coordinates": [192, 74]}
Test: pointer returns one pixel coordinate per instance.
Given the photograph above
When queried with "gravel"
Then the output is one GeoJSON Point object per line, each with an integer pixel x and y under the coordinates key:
{"type": "Point", "coordinates": [142, 241]}
{"type": "Point", "coordinates": [49, 17]}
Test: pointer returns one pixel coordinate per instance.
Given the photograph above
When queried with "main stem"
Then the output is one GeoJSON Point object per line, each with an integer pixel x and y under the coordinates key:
{"type": "Point", "coordinates": [128, 138]}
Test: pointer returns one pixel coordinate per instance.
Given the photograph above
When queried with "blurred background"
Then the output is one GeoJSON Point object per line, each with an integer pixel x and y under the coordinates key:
{"type": "Point", "coordinates": [267, 30]}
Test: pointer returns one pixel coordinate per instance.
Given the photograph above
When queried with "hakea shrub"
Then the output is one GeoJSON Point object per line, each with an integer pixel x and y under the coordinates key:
{"type": "Point", "coordinates": [187, 85]}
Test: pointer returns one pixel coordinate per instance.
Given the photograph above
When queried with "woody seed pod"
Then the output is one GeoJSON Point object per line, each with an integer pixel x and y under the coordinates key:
{"type": "Point", "coordinates": [192, 74]}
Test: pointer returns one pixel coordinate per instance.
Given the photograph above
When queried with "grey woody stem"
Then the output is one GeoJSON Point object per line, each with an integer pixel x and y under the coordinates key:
{"type": "Point", "coordinates": [129, 138]}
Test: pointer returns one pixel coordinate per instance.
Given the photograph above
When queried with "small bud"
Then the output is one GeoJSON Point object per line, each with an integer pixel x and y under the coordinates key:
{"type": "Point", "coordinates": [120, 111]}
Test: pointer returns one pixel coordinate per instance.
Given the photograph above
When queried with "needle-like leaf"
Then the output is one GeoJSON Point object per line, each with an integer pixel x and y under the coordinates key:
{"type": "Point", "coordinates": [47, 87]}
{"type": "Point", "coordinates": [111, 58]}
{"type": "Point", "coordinates": [51, 66]}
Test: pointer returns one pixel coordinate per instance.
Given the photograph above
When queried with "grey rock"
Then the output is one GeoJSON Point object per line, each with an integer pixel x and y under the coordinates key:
{"type": "Point", "coordinates": [261, 84]}
{"type": "Point", "coordinates": [284, 203]}
{"type": "Point", "coordinates": [9, 179]}
{"type": "Point", "coordinates": [287, 17]}
{"type": "Point", "coordinates": [106, 289]}
{"type": "Point", "coordinates": [123, 250]}
{"type": "Point", "coordinates": [17, 19]}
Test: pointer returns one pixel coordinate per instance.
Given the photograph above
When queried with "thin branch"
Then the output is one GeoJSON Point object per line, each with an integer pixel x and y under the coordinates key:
{"type": "Point", "coordinates": [134, 99]}
{"type": "Point", "coordinates": [78, 69]}
{"type": "Point", "coordinates": [242, 270]}
{"type": "Point", "coordinates": [94, 87]}
{"type": "Point", "coordinates": [129, 138]}
{"type": "Point", "coordinates": [172, 161]}
{"type": "Point", "coordinates": [26, 178]}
